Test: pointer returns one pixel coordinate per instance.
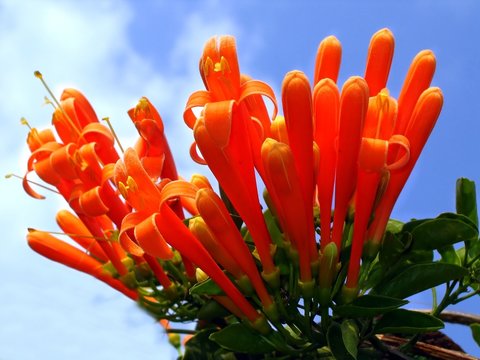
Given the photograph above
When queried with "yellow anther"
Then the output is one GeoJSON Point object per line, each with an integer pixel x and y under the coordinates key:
{"type": "Point", "coordinates": [142, 103]}
{"type": "Point", "coordinates": [222, 66]}
{"type": "Point", "coordinates": [207, 65]}
{"type": "Point", "coordinates": [79, 161]}
{"type": "Point", "coordinates": [47, 101]}
{"type": "Point", "coordinates": [24, 121]}
{"type": "Point", "coordinates": [131, 184]}
{"type": "Point", "coordinates": [123, 190]}
{"type": "Point", "coordinates": [39, 75]}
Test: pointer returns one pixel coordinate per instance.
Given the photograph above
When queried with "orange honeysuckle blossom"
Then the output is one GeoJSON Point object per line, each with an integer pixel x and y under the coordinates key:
{"type": "Point", "coordinates": [216, 216]}
{"type": "Point", "coordinates": [221, 136]}
{"type": "Point", "coordinates": [64, 253]}
{"type": "Point", "coordinates": [297, 108]}
{"type": "Point", "coordinates": [233, 119]}
{"type": "Point", "coordinates": [284, 187]}
{"type": "Point", "coordinates": [78, 167]}
{"type": "Point", "coordinates": [353, 107]}
{"type": "Point", "coordinates": [179, 236]}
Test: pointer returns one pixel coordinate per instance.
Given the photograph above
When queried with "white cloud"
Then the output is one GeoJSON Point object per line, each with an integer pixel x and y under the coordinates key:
{"type": "Point", "coordinates": [84, 45]}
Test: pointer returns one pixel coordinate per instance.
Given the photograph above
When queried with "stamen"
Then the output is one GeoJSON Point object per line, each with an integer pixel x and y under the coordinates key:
{"type": "Point", "coordinates": [39, 75]}
{"type": "Point", "coordinates": [8, 176]}
{"type": "Point", "coordinates": [222, 66]}
{"type": "Point", "coordinates": [107, 120]}
{"type": "Point", "coordinates": [207, 65]}
{"type": "Point", "coordinates": [47, 101]}
{"type": "Point", "coordinates": [24, 121]}
{"type": "Point", "coordinates": [65, 234]}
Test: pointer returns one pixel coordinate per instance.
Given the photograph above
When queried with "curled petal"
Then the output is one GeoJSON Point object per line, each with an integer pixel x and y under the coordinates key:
{"type": "Point", "coordinates": [92, 204]}
{"type": "Point", "coordinates": [104, 140]}
{"type": "Point", "coordinates": [36, 139]}
{"type": "Point", "coordinates": [129, 222]}
{"type": "Point", "coordinates": [151, 240]}
{"type": "Point", "coordinates": [63, 162]}
{"type": "Point", "coordinates": [218, 121]}
{"type": "Point", "coordinates": [197, 100]}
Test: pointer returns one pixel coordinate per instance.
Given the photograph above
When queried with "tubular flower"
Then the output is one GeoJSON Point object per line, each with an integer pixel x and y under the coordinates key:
{"type": "Point", "coordinates": [233, 104]}
{"type": "Point", "coordinates": [332, 166]}
{"type": "Point", "coordinates": [64, 253]}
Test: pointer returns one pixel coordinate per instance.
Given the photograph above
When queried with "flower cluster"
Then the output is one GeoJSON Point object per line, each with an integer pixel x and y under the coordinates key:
{"type": "Point", "coordinates": [331, 168]}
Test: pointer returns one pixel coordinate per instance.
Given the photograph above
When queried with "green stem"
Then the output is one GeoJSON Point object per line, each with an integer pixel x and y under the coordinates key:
{"type": "Point", "coordinates": [434, 298]}
{"type": "Point", "coordinates": [473, 293]}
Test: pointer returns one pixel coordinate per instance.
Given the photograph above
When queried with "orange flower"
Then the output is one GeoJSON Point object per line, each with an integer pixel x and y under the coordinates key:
{"type": "Point", "coordinates": [230, 131]}
{"type": "Point", "coordinates": [64, 253]}
{"type": "Point", "coordinates": [353, 107]}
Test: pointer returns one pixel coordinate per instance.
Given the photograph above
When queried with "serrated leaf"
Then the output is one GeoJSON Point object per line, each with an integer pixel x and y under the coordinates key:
{"type": "Point", "coordinates": [475, 332]}
{"type": "Point", "coordinates": [403, 321]}
{"type": "Point", "coordinates": [239, 338]}
{"type": "Point", "coordinates": [441, 232]}
{"type": "Point", "coordinates": [419, 277]}
{"type": "Point", "coordinates": [337, 344]}
{"type": "Point", "coordinates": [207, 287]}
{"type": "Point", "coordinates": [369, 306]}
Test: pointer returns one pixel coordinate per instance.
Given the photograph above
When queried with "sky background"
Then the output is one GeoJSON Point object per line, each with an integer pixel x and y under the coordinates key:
{"type": "Point", "coordinates": [117, 51]}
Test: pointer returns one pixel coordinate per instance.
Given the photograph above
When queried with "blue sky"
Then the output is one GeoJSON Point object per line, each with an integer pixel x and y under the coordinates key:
{"type": "Point", "coordinates": [118, 51]}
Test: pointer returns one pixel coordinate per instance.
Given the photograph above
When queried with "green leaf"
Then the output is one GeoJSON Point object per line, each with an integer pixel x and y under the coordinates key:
{"type": "Point", "coordinates": [403, 321]}
{"type": "Point", "coordinates": [239, 338]}
{"type": "Point", "coordinates": [465, 219]}
{"type": "Point", "coordinates": [392, 247]}
{"type": "Point", "coordinates": [394, 226]}
{"type": "Point", "coordinates": [350, 337]}
{"type": "Point", "coordinates": [207, 287]}
{"type": "Point", "coordinates": [450, 255]}
{"type": "Point", "coordinates": [475, 332]}
{"type": "Point", "coordinates": [369, 306]}
{"type": "Point", "coordinates": [412, 224]}
{"type": "Point", "coordinates": [441, 232]}
{"type": "Point", "coordinates": [198, 346]}
{"type": "Point", "coordinates": [466, 200]}
{"type": "Point", "coordinates": [212, 310]}
{"type": "Point", "coordinates": [338, 337]}
{"type": "Point", "coordinates": [419, 277]}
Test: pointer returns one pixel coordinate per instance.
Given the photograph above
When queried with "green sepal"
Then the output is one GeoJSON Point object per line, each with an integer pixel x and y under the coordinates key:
{"type": "Point", "coordinates": [207, 287]}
